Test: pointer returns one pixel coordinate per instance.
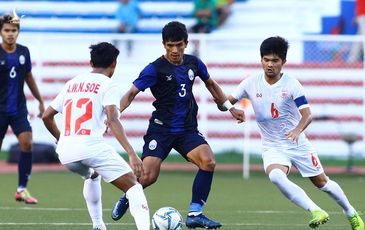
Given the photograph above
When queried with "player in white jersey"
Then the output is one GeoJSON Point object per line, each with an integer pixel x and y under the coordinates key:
{"type": "Point", "coordinates": [86, 102]}
{"type": "Point", "coordinates": [282, 113]}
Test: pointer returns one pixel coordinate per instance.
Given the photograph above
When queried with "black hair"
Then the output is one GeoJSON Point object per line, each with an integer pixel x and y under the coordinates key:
{"type": "Point", "coordinates": [8, 19]}
{"type": "Point", "coordinates": [274, 45]}
{"type": "Point", "coordinates": [174, 31]}
{"type": "Point", "coordinates": [103, 54]}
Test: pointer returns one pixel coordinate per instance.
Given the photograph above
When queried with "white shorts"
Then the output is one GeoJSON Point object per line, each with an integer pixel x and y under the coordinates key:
{"type": "Point", "coordinates": [304, 158]}
{"type": "Point", "coordinates": [108, 163]}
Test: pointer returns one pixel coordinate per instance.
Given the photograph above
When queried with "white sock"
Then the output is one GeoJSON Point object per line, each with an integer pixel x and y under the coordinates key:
{"type": "Point", "coordinates": [92, 195]}
{"type": "Point", "coordinates": [138, 207]}
{"type": "Point", "coordinates": [335, 191]}
{"type": "Point", "coordinates": [292, 191]}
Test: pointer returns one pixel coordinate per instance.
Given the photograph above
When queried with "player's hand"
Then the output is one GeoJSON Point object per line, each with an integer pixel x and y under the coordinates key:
{"type": "Point", "coordinates": [136, 165]}
{"type": "Point", "coordinates": [238, 114]}
{"type": "Point", "coordinates": [41, 109]}
{"type": "Point", "coordinates": [293, 135]}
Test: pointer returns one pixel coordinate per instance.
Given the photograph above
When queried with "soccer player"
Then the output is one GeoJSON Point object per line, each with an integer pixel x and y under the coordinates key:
{"type": "Point", "coordinates": [15, 69]}
{"type": "Point", "coordinates": [173, 125]}
{"type": "Point", "coordinates": [84, 101]}
{"type": "Point", "coordinates": [282, 113]}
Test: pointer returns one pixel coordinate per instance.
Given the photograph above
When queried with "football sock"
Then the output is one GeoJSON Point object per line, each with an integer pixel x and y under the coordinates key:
{"type": "Point", "coordinates": [24, 169]}
{"type": "Point", "coordinates": [201, 188]}
{"type": "Point", "coordinates": [292, 191]}
{"type": "Point", "coordinates": [92, 194]}
{"type": "Point", "coordinates": [138, 207]}
{"type": "Point", "coordinates": [335, 191]}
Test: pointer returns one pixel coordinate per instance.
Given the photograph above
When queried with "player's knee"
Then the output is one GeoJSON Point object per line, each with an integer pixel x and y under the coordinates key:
{"type": "Point", "coordinates": [207, 164]}
{"type": "Point", "coordinates": [276, 175]}
{"type": "Point", "coordinates": [26, 146]}
{"type": "Point", "coordinates": [147, 179]}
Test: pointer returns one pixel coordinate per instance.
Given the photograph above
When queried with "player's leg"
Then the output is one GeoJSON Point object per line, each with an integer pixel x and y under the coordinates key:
{"type": "Point", "coordinates": [334, 190]}
{"type": "Point", "coordinates": [155, 149]}
{"type": "Point", "coordinates": [136, 199]}
{"type": "Point", "coordinates": [91, 191]}
{"type": "Point", "coordinates": [195, 149]}
{"type": "Point", "coordinates": [277, 165]}
{"type": "Point", "coordinates": [151, 167]}
{"type": "Point", "coordinates": [21, 128]}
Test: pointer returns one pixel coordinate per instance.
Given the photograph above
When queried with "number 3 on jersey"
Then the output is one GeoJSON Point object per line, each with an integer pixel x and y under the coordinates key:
{"type": "Point", "coordinates": [86, 105]}
{"type": "Point", "coordinates": [274, 111]}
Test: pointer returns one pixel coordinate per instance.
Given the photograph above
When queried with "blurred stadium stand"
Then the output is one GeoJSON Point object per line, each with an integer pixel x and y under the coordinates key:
{"type": "Point", "coordinates": [93, 16]}
{"type": "Point", "coordinates": [335, 88]}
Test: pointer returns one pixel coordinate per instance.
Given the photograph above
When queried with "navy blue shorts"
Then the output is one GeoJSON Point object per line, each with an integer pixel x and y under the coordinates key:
{"type": "Point", "coordinates": [160, 144]}
{"type": "Point", "coordinates": [19, 123]}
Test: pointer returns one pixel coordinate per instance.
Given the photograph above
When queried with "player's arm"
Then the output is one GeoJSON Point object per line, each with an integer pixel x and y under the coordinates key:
{"type": "Point", "coordinates": [29, 79]}
{"type": "Point", "coordinates": [302, 125]}
{"type": "Point", "coordinates": [50, 123]}
{"type": "Point", "coordinates": [128, 97]}
{"type": "Point", "coordinates": [116, 127]}
{"type": "Point", "coordinates": [221, 100]}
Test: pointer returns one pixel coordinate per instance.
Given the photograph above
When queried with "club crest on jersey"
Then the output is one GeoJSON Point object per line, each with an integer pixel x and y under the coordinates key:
{"type": "Point", "coordinates": [2, 62]}
{"type": "Point", "coordinates": [152, 145]}
{"type": "Point", "coordinates": [191, 74]}
{"type": "Point", "coordinates": [21, 59]}
{"type": "Point", "coordinates": [284, 94]}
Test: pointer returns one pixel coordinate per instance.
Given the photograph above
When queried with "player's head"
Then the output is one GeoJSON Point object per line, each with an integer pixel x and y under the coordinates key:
{"type": "Point", "coordinates": [273, 56]}
{"type": "Point", "coordinates": [174, 31]}
{"type": "Point", "coordinates": [103, 55]}
{"type": "Point", "coordinates": [9, 28]}
{"type": "Point", "coordinates": [275, 45]}
{"type": "Point", "coordinates": [174, 40]}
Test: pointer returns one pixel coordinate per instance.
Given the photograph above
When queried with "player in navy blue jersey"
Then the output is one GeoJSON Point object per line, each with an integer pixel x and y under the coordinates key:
{"type": "Point", "coordinates": [15, 69]}
{"type": "Point", "coordinates": [173, 124]}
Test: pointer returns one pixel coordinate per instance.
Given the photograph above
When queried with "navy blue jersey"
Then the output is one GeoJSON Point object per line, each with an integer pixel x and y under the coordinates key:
{"type": "Point", "coordinates": [13, 69]}
{"type": "Point", "coordinates": [171, 85]}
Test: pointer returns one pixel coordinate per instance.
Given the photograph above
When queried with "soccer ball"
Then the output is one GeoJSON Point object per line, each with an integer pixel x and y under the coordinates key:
{"type": "Point", "coordinates": [167, 218]}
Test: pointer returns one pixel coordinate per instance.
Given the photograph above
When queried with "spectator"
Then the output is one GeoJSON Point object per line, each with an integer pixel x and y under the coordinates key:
{"type": "Point", "coordinates": [356, 50]}
{"type": "Point", "coordinates": [205, 12]}
{"type": "Point", "coordinates": [128, 14]}
{"type": "Point", "coordinates": [223, 10]}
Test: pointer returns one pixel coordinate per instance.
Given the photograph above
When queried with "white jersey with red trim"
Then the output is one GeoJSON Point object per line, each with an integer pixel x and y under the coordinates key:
{"type": "Point", "coordinates": [276, 108]}
{"type": "Point", "coordinates": [81, 103]}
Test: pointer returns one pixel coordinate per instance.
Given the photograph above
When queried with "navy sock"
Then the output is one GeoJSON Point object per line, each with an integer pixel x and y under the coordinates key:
{"type": "Point", "coordinates": [201, 188]}
{"type": "Point", "coordinates": [24, 168]}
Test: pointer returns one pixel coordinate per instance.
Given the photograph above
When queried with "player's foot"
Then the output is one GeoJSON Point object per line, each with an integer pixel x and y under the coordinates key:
{"type": "Point", "coordinates": [356, 222]}
{"type": "Point", "coordinates": [26, 197]}
{"type": "Point", "coordinates": [201, 221]}
{"type": "Point", "coordinates": [120, 208]}
{"type": "Point", "coordinates": [318, 217]}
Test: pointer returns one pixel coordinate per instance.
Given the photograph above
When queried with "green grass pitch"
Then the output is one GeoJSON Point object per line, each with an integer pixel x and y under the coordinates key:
{"type": "Point", "coordinates": [237, 203]}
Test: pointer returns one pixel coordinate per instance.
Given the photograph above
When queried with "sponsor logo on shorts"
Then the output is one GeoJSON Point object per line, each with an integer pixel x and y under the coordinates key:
{"type": "Point", "coordinates": [152, 145]}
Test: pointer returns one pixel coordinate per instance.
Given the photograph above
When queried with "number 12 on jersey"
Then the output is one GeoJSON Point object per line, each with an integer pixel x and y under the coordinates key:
{"type": "Point", "coordinates": [84, 104]}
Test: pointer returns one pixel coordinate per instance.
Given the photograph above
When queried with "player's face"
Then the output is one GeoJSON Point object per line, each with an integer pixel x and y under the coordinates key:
{"type": "Point", "coordinates": [175, 51]}
{"type": "Point", "coordinates": [9, 34]}
{"type": "Point", "coordinates": [272, 65]}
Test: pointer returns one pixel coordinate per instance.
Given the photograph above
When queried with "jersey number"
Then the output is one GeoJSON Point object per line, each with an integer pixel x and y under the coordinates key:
{"type": "Point", "coordinates": [83, 103]}
{"type": "Point", "coordinates": [274, 111]}
{"type": "Point", "coordinates": [12, 72]}
{"type": "Point", "coordinates": [182, 93]}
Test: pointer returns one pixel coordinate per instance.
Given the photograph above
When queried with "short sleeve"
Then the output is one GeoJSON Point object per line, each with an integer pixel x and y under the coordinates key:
{"type": "Point", "coordinates": [112, 96]}
{"type": "Point", "coordinates": [299, 95]}
{"type": "Point", "coordinates": [241, 90]}
{"type": "Point", "coordinates": [202, 70]}
{"type": "Point", "coordinates": [146, 79]}
{"type": "Point", "coordinates": [58, 101]}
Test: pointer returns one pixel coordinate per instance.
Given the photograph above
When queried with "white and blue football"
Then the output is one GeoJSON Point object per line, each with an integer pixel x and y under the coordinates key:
{"type": "Point", "coordinates": [167, 218]}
